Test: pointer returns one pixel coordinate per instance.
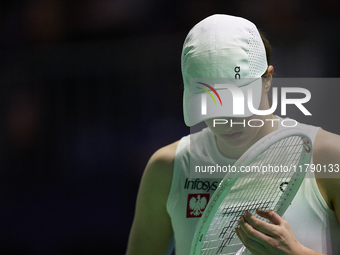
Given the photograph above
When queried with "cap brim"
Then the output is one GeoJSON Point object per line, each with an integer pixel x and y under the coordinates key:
{"type": "Point", "coordinates": [192, 104]}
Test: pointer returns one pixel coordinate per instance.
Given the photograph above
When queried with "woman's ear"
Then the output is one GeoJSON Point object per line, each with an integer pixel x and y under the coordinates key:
{"type": "Point", "coordinates": [271, 70]}
{"type": "Point", "coordinates": [268, 79]}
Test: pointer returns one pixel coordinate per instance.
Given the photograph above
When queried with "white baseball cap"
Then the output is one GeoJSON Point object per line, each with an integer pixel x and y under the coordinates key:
{"type": "Point", "coordinates": [221, 49]}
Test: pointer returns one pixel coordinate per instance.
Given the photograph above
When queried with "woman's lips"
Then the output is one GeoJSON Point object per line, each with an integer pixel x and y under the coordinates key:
{"type": "Point", "coordinates": [231, 137]}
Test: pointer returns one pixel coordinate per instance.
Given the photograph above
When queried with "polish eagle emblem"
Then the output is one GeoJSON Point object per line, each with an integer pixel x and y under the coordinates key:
{"type": "Point", "coordinates": [197, 205]}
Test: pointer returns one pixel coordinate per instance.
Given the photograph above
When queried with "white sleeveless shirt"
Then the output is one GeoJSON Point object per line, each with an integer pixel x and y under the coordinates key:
{"type": "Point", "coordinates": [313, 223]}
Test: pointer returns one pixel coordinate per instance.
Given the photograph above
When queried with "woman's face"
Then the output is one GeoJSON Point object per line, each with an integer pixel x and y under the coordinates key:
{"type": "Point", "coordinates": [238, 134]}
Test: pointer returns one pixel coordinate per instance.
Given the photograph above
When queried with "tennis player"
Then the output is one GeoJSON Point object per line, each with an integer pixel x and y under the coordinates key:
{"type": "Point", "coordinates": [170, 203]}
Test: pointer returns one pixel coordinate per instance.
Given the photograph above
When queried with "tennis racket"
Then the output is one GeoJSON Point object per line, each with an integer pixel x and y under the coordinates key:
{"type": "Point", "coordinates": [268, 176]}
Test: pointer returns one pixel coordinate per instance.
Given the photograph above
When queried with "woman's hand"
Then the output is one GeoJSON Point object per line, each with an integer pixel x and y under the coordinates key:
{"type": "Point", "coordinates": [262, 238]}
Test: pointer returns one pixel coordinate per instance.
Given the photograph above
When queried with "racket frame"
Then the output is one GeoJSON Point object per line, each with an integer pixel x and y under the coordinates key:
{"type": "Point", "coordinates": [229, 180]}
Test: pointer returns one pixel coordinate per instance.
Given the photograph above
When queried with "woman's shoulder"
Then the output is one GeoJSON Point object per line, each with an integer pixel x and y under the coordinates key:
{"type": "Point", "coordinates": [157, 176]}
{"type": "Point", "coordinates": [164, 157]}
{"type": "Point", "coordinates": [326, 153]}
{"type": "Point", "coordinates": [326, 147]}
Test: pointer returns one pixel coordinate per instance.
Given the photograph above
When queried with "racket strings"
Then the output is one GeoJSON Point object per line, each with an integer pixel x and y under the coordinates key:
{"type": "Point", "coordinates": [250, 192]}
{"type": "Point", "coordinates": [286, 151]}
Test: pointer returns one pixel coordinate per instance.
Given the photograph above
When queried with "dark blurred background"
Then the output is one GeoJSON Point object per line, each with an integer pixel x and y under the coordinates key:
{"type": "Point", "coordinates": [90, 89]}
